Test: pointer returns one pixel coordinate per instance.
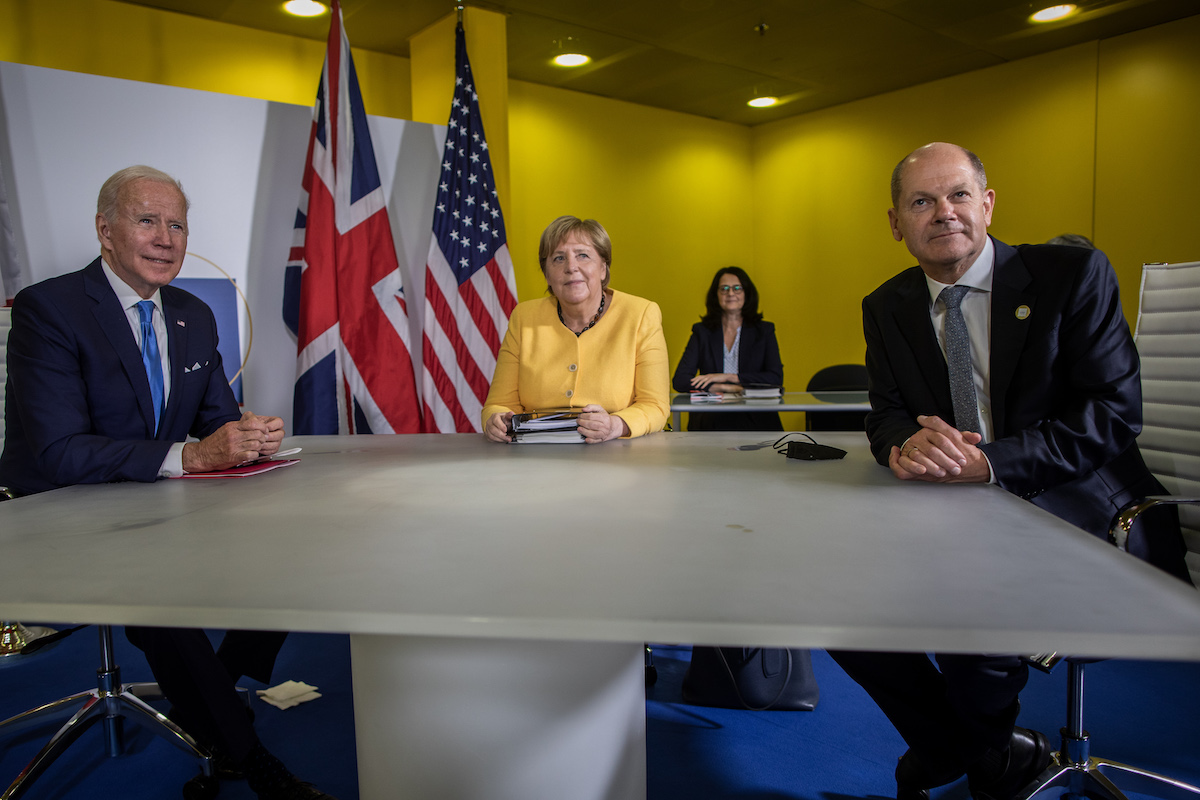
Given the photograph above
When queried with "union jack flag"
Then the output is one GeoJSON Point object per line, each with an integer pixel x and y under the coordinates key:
{"type": "Point", "coordinates": [343, 293]}
{"type": "Point", "coordinates": [469, 285]}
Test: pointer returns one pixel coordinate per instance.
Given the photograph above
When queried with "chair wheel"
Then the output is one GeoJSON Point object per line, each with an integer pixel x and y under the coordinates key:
{"type": "Point", "coordinates": [201, 787]}
{"type": "Point", "coordinates": [651, 674]}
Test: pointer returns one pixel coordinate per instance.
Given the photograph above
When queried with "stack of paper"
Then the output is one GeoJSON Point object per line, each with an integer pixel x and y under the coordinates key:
{"type": "Point", "coordinates": [289, 693]}
{"type": "Point", "coordinates": [546, 427]}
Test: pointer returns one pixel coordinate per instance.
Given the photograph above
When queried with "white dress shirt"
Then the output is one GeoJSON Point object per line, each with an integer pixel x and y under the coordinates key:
{"type": "Point", "coordinates": [172, 466]}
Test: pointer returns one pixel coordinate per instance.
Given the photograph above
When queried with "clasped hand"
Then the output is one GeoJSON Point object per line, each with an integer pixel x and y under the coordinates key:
{"type": "Point", "coordinates": [234, 443]}
{"type": "Point", "coordinates": [595, 425]}
{"type": "Point", "coordinates": [940, 453]}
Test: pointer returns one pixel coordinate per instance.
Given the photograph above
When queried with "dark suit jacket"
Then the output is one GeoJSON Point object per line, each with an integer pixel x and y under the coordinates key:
{"type": "Point", "coordinates": [78, 406]}
{"type": "Point", "coordinates": [1066, 393]}
{"type": "Point", "coordinates": [758, 355]}
{"type": "Point", "coordinates": [758, 362]}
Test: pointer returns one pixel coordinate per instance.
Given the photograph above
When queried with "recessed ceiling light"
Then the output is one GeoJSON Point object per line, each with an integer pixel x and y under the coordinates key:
{"type": "Point", "coordinates": [762, 102]}
{"type": "Point", "coordinates": [1053, 13]}
{"type": "Point", "coordinates": [571, 59]}
{"type": "Point", "coordinates": [305, 8]}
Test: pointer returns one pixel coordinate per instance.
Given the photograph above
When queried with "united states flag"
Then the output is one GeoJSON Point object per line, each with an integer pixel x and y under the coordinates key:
{"type": "Point", "coordinates": [469, 286]}
{"type": "Point", "coordinates": [343, 292]}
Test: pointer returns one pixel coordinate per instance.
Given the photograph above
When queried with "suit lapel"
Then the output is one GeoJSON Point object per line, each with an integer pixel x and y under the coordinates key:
{"type": "Point", "coordinates": [177, 347]}
{"type": "Point", "coordinates": [1012, 304]}
{"type": "Point", "coordinates": [745, 345]}
{"type": "Point", "coordinates": [912, 319]}
{"type": "Point", "coordinates": [112, 320]}
{"type": "Point", "coordinates": [716, 345]}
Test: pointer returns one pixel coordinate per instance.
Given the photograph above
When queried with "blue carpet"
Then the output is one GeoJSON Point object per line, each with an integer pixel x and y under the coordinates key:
{"type": "Point", "coordinates": [1142, 713]}
{"type": "Point", "coordinates": [1145, 713]}
{"type": "Point", "coordinates": [314, 739]}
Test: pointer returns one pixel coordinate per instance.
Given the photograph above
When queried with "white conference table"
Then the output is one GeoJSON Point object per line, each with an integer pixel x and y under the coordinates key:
{"type": "Point", "coordinates": [497, 596]}
{"type": "Point", "coordinates": [789, 401]}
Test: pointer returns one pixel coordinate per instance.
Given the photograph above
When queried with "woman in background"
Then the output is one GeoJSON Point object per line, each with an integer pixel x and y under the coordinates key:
{"type": "Point", "coordinates": [585, 346]}
{"type": "Point", "coordinates": [731, 346]}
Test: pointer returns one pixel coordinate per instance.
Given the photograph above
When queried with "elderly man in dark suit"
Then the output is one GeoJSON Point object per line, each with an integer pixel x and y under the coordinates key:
{"type": "Point", "coordinates": [1009, 365]}
{"type": "Point", "coordinates": [110, 370]}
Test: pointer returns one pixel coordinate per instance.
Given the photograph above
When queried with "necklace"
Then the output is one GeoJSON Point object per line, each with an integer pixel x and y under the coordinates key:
{"type": "Point", "coordinates": [595, 319]}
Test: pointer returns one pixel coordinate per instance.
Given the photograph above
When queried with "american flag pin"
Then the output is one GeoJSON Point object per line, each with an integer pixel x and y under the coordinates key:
{"type": "Point", "coordinates": [181, 323]}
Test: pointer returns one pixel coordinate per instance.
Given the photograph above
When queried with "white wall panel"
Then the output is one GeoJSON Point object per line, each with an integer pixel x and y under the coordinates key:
{"type": "Point", "coordinates": [240, 160]}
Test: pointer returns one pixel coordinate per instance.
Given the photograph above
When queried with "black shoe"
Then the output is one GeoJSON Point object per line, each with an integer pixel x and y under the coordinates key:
{"type": "Point", "coordinates": [913, 780]}
{"type": "Point", "coordinates": [292, 788]}
{"type": "Point", "coordinates": [224, 767]}
{"type": "Point", "coordinates": [1028, 754]}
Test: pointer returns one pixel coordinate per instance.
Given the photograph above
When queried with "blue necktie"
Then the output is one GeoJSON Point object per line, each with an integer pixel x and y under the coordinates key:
{"type": "Point", "coordinates": [151, 359]}
{"type": "Point", "coordinates": [958, 359]}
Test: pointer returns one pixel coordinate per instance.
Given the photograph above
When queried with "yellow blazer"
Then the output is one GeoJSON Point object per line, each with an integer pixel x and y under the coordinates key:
{"type": "Point", "coordinates": [620, 364]}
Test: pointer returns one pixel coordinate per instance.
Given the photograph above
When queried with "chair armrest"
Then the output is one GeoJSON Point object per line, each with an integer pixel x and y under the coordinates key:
{"type": "Point", "coordinates": [1118, 533]}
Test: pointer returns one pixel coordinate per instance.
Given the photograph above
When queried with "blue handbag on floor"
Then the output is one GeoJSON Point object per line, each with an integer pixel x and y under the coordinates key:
{"type": "Point", "coordinates": [752, 678]}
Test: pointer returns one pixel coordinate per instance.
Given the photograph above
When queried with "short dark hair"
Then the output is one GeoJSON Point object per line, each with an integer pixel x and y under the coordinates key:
{"type": "Point", "coordinates": [898, 172]}
{"type": "Point", "coordinates": [712, 308]}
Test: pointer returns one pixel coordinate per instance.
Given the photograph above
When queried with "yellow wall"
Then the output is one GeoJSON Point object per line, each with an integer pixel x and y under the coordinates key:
{"type": "Point", "coordinates": [821, 186]}
{"type": "Point", "coordinates": [673, 191]}
{"type": "Point", "coordinates": [102, 37]}
{"type": "Point", "coordinates": [1097, 139]}
{"type": "Point", "coordinates": [1147, 154]}
{"type": "Point", "coordinates": [434, 49]}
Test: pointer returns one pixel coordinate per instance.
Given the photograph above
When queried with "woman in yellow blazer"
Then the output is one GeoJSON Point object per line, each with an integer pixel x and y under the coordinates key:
{"type": "Point", "coordinates": [586, 346]}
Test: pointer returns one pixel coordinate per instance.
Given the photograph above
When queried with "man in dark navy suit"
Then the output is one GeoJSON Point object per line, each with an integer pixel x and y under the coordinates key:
{"type": "Point", "coordinates": [1043, 398]}
{"type": "Point", "coordinates": [110, 370]}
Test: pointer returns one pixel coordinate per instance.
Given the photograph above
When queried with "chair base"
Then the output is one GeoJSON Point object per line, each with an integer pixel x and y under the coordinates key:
{"type": "Point", "coordinates": [110, 705]}
{"type": "Point", "coordinates": [1098, 778]}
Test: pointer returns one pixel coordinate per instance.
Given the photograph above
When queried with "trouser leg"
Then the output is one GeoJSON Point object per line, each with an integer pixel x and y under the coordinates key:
{"type": "Point", "coordinates": [948, 718]}
{"type": "Point", "coordinates": [198, 686]}
{"type": "Point", "coordinates": [250, 653]}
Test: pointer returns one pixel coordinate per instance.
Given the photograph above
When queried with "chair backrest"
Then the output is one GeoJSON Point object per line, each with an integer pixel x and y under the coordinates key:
{"type": "Point", "coordinates": [5, 324]}
{"type": "Point", "coordinates": [1168, 341]}
{"type": "Point", "coordinates": [837, 378]}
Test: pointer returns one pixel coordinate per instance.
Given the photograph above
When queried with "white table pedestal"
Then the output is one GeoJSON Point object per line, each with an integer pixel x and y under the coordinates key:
{"type": "Point", "coordinates": [495, 719]}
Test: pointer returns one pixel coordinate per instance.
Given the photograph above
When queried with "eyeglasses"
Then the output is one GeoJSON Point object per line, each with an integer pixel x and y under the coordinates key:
{"type": "Point", "coordinates": [736, 288]}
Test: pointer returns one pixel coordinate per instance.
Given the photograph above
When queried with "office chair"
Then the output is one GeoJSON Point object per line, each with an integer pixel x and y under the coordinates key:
{"type": "Point", "coordinates": [837, 378]}
{"type": "Point", "coordinates": [1168, 341]}
{"type": "Point", "coordinates": [111, 702]}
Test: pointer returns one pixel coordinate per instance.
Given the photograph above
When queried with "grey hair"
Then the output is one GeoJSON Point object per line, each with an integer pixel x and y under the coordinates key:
{"type": "Point", "coordinates": [110, 192]}
{"type": "Point", "coordinates": [1073, 240]}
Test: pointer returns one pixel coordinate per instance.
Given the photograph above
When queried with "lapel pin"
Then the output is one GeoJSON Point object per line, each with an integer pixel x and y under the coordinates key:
{"type": "Point", "coordinates": [181, 323]}
{"type": "Point", "coordinates": [1022, 312]}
